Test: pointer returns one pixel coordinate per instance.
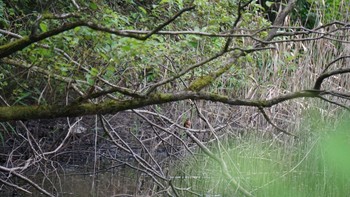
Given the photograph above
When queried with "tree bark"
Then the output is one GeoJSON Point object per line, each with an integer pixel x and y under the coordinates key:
{"type": "Point", "coordinates": [110, 107]}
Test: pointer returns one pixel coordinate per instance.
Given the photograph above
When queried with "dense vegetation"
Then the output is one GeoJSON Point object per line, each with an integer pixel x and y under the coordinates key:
{"type": "Point", "coordinates": [262, 83]}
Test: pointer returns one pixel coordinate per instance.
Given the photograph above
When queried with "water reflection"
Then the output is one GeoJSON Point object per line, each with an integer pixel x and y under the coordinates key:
{"type": "Point", "coordinates": [74, 183]}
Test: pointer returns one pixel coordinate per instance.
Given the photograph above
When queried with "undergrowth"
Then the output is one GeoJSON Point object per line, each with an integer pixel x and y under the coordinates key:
{"type": "Point", "coordinates": [315, 164]}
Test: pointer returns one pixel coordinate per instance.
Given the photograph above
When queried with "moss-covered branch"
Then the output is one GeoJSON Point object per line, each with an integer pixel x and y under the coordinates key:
{"type": "Point", "coordinates": [110, 107]}
{"type": "Point", "coordinates": [205, 81]}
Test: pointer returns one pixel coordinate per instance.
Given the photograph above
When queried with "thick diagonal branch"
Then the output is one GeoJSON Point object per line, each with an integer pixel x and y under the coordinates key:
{"type": "Point", "coordinates": [111, 107]}
{"type": "Point", "coordinates": [325, 75]}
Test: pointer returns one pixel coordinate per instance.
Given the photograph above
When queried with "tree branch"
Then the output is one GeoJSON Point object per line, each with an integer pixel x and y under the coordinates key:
{"type": "Point", "coordinates": [280, 18]}
{"type": "Point", "coordinates": [15, 186]}
{"type": "Point", "coordinates": [17, 45]}
{"type": "Point", "coordinates": [325, 75]}
{"type": "Point", "coordinates": [108, 107]}
{"type": "Point", "coordinates": [36, 186]}
{"type": "Point", "coordinates": [334, 103]}
{"type": "Point", "coordinates": [238, 18]}
{"type": "Point", "coordinates": [168, 22]}
{"type": "Point", "coordinates": [267, 118]}
{"type": "Point", "coordinates": [334, 61]}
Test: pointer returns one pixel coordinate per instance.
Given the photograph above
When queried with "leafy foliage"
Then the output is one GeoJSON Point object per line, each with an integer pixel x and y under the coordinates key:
{"type": "Point", "coordinates": [74, 58]}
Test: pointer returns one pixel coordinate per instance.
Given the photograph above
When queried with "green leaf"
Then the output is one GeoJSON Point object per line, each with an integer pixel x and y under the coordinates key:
{"type": "Point", "coordinates": [164, 1]}
{"type": "Point", "coordinates": [194, 44]}
{"type": "Point", "coordinates": [89, 79]}
{"type": "Point", "coordinates": [269, 3]}
{"type": "Point", "coordinates": [43, 27]}
{"type": "Point", "coordinates": [259, 6]}
{"type": "Point", "coordinates": [93, 6]}
{"type": "Point", "coordinates": [111, 68]}
{"type": "Point", "coordinates": [22, 96]}
{"type": "Point", "coordinates": [143, 10]}
{"type": "Point", "coordinates": [93, 72]}
{"type": "Point", "coordinates": [76, 29]}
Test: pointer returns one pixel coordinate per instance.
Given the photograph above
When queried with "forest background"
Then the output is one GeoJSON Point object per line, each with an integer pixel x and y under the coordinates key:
{"type": "Point", "coordinates": [175, 97]}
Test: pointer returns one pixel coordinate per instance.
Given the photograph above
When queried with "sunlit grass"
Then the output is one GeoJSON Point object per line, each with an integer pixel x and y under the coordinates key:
{"type": "Point", "coordinates": [316, 164]}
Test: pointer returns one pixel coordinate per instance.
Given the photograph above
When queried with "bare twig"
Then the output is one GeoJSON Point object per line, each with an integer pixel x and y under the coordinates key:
{"type": "Point", "coordinates": [166, 130]}
{"type": "Point", "coordinates": [168, 22]}
{"type": "Point", "coordinates": [335, 103]}
{"type": "Point", "coordinates": [11, 171]}
{"type": "Point", "coordinates": [75, 4]}
{"type": "Point", "coordinates": [238, 18]}
{"type": "Point", "coordinates": [267, 118]}
{"type": "Point", "coordinates": [334, 61]}
{"type": "Point", "coordinates": [64, 141]}
{"type": "Point", "coordinates": [15, 186]}
{"type": "Point", "coordinates": [125, 147]}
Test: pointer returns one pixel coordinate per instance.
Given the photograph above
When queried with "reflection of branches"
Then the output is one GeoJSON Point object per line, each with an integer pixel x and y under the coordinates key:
{"type": "Point", "coordinates": [125, 147]}
{"type": "Point", "coordinates": [149, 153]}
{"type": "Point", "coordinates": [13, 172]}
{"type": "Point", "coordinates": [14, 186]}
{"type": "Point", "coordinates": [190, 134]}
{"type": "Point", "coordinates": [38, 155]}
{"type": "Point", "coordinates": [165, 130]}
{"type": "Point", "coordinates": [64, 141]}
{"type": "Point", "coordinates": [278, 178]}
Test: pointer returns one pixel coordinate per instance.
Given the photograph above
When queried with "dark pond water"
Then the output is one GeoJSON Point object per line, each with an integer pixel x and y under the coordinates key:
{"type": "Point", "coordinates": [77, 183]}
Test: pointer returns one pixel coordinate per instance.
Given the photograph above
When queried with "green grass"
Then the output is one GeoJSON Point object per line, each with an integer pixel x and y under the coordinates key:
{"type": "Point", "coordinates": [316, 164]}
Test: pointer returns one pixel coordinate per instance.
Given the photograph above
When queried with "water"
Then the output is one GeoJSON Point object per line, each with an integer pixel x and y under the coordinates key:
{"type": "Point", "coordinates": [121, 182]}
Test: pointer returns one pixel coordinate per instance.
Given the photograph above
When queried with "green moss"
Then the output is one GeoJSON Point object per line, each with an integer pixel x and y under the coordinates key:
{"type": "Point", "coordinates": [14, 44]}
{"type": "Point", "coordinates": [204, 81]}
{"type": "Point", "coordinates": [12, 47]}
{"type": "Point", "coordinates": [48, 15]}
{"type": "Point", "coordinates": [201, 82]}
{"type": "Point", "coordinates": [163, 97]}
